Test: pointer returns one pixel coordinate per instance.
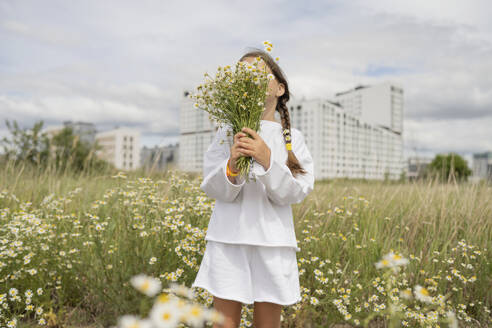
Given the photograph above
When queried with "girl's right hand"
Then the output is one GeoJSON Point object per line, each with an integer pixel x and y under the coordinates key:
{"type": "Point", "coordinates": [235, 153]}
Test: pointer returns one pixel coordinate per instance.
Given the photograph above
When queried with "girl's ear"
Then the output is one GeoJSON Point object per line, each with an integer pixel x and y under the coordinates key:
{"type": "Point", "coordinates": [280, 89]}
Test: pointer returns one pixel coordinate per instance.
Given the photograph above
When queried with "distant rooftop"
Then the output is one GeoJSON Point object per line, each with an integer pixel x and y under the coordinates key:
{"type": "Point", "coordinates": [354, 89]}
{"type": "Point", "coordinates": [487, 154]}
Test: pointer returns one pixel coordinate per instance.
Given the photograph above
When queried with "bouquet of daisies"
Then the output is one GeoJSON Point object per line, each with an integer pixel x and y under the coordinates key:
{"type": "Point", "coordinates": [236, 98]}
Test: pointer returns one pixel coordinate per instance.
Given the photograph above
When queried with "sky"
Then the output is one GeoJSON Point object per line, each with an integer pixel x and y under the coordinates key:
{"type": "Point", "coordinates": [127, 63]}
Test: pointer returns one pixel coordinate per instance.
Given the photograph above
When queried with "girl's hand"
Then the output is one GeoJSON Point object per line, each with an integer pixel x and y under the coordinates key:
{"type": "Point", "coordinates": [235, 153]}
{"type": "Point", "coordinates": [256, 147]}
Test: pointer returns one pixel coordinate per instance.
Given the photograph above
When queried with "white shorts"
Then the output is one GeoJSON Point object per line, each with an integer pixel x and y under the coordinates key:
{"type": "Point", "coordinates": [250, 273]}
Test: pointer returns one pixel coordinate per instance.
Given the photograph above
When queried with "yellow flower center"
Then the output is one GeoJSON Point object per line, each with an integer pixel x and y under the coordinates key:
{"type": "Point", "coordinates": [163, 298]}
{"type": "Point", "coordinates": [196, 311]}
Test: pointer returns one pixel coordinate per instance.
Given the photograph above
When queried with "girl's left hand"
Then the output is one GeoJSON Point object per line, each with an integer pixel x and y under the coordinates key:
{"type": "Point", "coordinates": [256, 147]}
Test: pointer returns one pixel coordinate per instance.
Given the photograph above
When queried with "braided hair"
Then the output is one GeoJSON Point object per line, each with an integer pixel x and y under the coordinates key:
{"type": "Point", "coordinates": [292, 161]}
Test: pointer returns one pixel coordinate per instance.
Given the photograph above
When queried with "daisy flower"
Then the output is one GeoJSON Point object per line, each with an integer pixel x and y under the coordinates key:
{"type": "Point", "coordinates": [145, 284]}
{"type": "Point", "coordinates": [131, 321]}
{"type": "Point", "coordinates": [164, 315]}
{"type": "Point", "coordinates": [422, 294]}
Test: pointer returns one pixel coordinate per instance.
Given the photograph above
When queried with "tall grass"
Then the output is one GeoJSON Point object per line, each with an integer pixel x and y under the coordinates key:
{"type": "Point", "coordinates": [88, 233]}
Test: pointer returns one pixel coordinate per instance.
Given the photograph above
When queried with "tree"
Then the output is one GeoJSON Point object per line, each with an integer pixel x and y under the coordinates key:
{"type": "Point", "coordinates": [64, 150]}
{"type": "Point", "coordinates": [70, 152]}
{"type": "Point", "coordinates": [26, 145]}
{"type": "Point", "coordinates": [449, 166]}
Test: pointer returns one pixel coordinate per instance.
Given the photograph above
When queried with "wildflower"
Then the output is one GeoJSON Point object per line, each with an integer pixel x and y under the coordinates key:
{"type": "Point", "coordinates": [181, 290]}
{"type": "Point", "coordinates": [407, 294]}
{"type": "Point", "coordinates": [12, 323]}
{"type": "Point", "coordinates": [453, 322]}
{"type": "Point", "coordinates": [131, 321]}
{"type": "Point", "coordinates": [165, 314]}
{"type": "Point", "coordinates": [13, 292]}
{"type": "Point", "coordinates": [119, 175]}
{"type": "Point", "coordinates": [422, 294]}
{"type": "Point", "coordinates": [145, 284]}
{"type": "Point", "coordinates": [214, 316]}
{"type": "Point", "coordinates": [314, 300]}
{"type": "Point", "coordinates": [391, 260]}
{"type": "Point", "coordinates": [194, 315]}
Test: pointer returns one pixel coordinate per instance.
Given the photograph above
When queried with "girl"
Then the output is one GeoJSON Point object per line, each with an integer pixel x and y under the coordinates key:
{"type": "Point", "coordinates": [250, 255]}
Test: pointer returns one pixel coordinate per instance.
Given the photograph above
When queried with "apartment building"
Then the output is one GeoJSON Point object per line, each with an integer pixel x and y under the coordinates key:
{"type": "Point", "coordinates": [121, 147]}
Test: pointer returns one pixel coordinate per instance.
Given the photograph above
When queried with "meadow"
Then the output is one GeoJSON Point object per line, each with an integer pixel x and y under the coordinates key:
{"type": "Point", "coordinates": [70, 244]}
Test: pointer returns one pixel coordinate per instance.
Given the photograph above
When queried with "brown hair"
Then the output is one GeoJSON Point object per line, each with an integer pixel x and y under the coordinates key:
{"type": "Point", "coordinates": [292, 161]}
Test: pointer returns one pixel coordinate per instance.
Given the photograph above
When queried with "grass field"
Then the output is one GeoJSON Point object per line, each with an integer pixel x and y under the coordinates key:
{"type": "Point", "coordinates": [70, 244]}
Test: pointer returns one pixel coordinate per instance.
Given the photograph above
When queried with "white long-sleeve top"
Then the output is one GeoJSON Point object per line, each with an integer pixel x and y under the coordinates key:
{"type": "Point", "coordinates": [256, 212]}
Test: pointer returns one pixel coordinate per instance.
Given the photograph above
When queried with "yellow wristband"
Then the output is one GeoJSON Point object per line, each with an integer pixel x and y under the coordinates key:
{"type": "Point", "coordinates": [229, 172]}
{"type": "Point", "coordinates": [288, 146]}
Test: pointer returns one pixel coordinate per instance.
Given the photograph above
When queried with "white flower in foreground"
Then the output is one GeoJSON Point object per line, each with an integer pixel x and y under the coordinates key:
{"type": "Point", "coordinates": [119, 175]}
{"type": "Point", "coordinates": [453, 322]}
{"type": "Point", "coordinates": [131, 321]}
{"type": "Point", "coordinates": [194, 315]}
{"type": "Point", "coordinates": [422, 294]}
{"type": "Point", "coordinates": [145, 284]}
{"type": "Point", "coordinates": [214, 316]}
{"type": "Point", "coordinates": [164, 315]}
{"type": "Point", "coordinates": [406, 294]}
{"type": "Point", "coordinates": [391, 260]}
{"type": "Point", "coordinates": [181, 290]}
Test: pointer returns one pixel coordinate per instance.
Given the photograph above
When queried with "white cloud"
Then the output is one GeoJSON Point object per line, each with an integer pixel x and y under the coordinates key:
{"type": "Point", "coordinates": [128, 63]}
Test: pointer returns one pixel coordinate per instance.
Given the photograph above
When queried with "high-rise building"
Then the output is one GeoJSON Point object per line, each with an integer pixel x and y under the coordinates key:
{"type": "Point", "coordinates": [380, 104]}
{"type": "Point", "coordinates": [343, 145]}
{"type": "Point", "coordinates": [84, 130]}
{"type": "Point", "coordinates": [196, 134]}
{"type": "Point", "coordinates": [159, 158]}
{"type": "Point", "coordinates": [416, 166]}
{"type": "Point", "coordinates": [121, 147]}
{"type": "Point", "coordinates": [482, 166]}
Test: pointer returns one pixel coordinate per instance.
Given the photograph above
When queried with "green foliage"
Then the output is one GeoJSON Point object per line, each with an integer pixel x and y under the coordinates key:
{"type": "Point", "coordinates": [25, 145]}
{"type": "Point", "coordinates": [65, 151]}
{"type": "Point", "coordinates": [447, 167]}
{"type": "Point", "coordinates": [71, 152]}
